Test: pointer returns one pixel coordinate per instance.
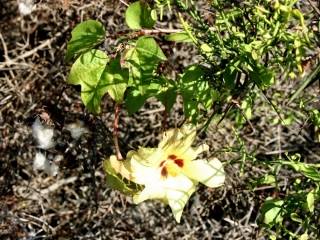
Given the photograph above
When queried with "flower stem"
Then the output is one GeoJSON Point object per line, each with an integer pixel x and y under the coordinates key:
{"type": "Point", "coordinates": [115, 131]}
{"type": "Point", "coordinates": [164, 120]}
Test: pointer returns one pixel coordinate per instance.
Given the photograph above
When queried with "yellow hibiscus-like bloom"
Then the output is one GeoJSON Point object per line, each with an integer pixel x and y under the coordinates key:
{"type": "Point", "coordinates": [170, 172]}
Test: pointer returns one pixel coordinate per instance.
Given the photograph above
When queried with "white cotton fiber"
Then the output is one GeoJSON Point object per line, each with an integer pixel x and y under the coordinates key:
{"type": "Point", "coordinates": [43, 135]}
{"type": "Point", "coordinates": [76, 129]}
{"type": "Point", "coordinates": [26, 7]}
{"type": "Point", "coordinates": [42, 163]}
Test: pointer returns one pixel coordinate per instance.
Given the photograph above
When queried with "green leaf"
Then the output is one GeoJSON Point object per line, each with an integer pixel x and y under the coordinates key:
{"type": "Point", "coordinates": [295, 217]}
{"type": "Point", "coordinates": [195, 91]}
{"type": "Point", "coordinates": [168, 98]}
{"type": "Point", "coordinates": [139, 15]}
{"type": "Point", "coordinates": [271, 211]}
{"type": "Point", "coordinates": [85, 36]}
{"type": "Point", "coordinates": [117, 79]}
{"type": "Point", "coordinates": [307, 170]}
{"type": "Point", "coordinates": [115, 181]}
{"type": "Point", "coordinates": [87, 71]}
{"type": "Point", "coordinates": [138, 95]}
{"type": "Point", "coordinates": [149, 51]}
{"type": "Point", "coordinates": [134, 100]}
{"type": "Point", "coordinates": [206, 48]}
{"type": "Point", "coordinates": [310, 200]}
{"type": "Point", "coordinates": [262, 76]}
{"type": "Point", "coordinates": [266, 179]}
{"type": "Point", "coordinates": [178, 37]}
{"type": "Point", "coordinates": [143, 59]}
{"type": "Point", "coordinates": [229, 76]}
{"type": "Point", "coordinates": [304, 236]}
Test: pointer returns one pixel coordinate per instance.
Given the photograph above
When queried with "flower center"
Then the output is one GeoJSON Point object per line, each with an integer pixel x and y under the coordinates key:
{"type": "Point", "coordinates": [171, 166]}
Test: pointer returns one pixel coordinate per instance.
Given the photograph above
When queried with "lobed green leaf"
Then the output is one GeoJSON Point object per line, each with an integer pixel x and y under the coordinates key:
{"type": "Point", "coordinates": [85, 36]}
{"type": "Point", "coordinates": [87, 71]}
{"type": "Point", "coordinates": [116, 79]}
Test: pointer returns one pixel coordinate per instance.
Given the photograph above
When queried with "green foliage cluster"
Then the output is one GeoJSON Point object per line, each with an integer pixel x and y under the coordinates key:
{"type": "Point", "coordinates": [244, 45]}
{"type": "Point", "coordinates": [294, 216]}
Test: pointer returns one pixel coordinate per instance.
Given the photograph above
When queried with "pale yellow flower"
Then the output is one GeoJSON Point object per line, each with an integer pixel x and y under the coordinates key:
{"type": "Point", "coordinates": [170, 172]}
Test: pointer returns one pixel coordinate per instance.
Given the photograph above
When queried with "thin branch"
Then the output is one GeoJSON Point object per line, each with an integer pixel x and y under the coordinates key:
{"type": "Point", "coordinates": [115, 131]}
{"type": "Point", "coordinates": [5, 49]}
{"type": "Point", "coordinates": [314, 7]}
{"type": "Point", "coordinates": [14, 61]}
{"type": "Point", "coordinates": [160, 30]}
{"type": "Point", "coordinates": [143, 32]}
{"type": "Point", "coordinates": [123, 2]}
{"type": "Point", "coordinates": [164, 120]}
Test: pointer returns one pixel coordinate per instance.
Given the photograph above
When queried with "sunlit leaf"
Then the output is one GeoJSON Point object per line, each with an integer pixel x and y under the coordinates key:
{"type": "Point", "coordinates": [179, 37]}
{"type": "Point", "coordinates": [304, 236]}
{"type": "Point", "coordinates": [85, 36]}
{"type": "Point", "coordinates": [310, 200]}
{"type": "Point", "coordinates": [195, 91]}
{"type": "Point", "coordinates": [271, 211]}
{"type": "Point", "coordinates": [295, 217]}
{"type": "Point", "coordinates": [139, 15]}
{"type": "Point", "coordinates": [143, 59]}
{"type": "Point", "coordinates": [87, 71]}
{"type": "Point", "coordinates": [116, 79]}
{"type": "Point", "coordinates": [308, 170]}
{"type": "Point", "coordinates": [149, 51]}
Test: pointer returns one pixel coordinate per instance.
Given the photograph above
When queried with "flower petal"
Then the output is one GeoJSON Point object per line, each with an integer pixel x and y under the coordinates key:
{"type": "Point", "coordinates": [147, 156]}
{"type": "Point", "coordinates": [175, 191]}
{"type": "Point", "coordinates": [179, 196]}
{"type": "Point", "coordinates": [143, 174]}
{"type": "Point", "coordinates": [132, 169]}
{"type": "Point", "coordinates": [209, 173]}
{"type": "Point", "coordinates": [178, 140]}
{"type": "Point", "coordinates": [191, 153]}
{"type": "Point", "coordinates": [150, 192]}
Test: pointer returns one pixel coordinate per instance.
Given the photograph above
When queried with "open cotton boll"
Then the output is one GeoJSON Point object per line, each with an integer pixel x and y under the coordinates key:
{"type": "Point", "coordinates": [53, 170]}
{"type": "Point", "coordinates": [43, 135]}
{"type": "Point", "coordinates": [26, 7]}
{"type": "Point", "coordinates": [42, 163]}
{"type": "Point", "coordinates": [76, 129]}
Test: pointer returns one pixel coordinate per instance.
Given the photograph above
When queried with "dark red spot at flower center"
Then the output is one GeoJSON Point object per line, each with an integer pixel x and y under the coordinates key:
{"type": "Point", "coordinates": [162, 163]}
{"type": "Point", "coordinates": [164, 172]}
{"type": "Point", "coordinates": [179, 162]}
{"type": "Point", "coordinates": [172, 157]}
